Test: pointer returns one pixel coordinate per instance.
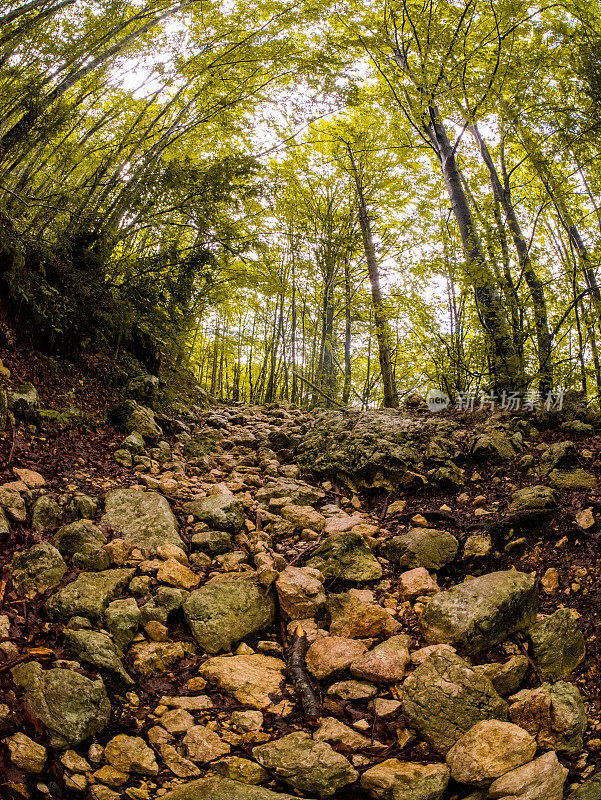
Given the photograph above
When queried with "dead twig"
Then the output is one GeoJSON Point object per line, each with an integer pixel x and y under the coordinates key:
{"type": "Point", "coordinates": [297, 670]}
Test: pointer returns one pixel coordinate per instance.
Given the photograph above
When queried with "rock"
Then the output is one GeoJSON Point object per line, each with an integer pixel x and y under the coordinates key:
{"type": "Point", "coordinates": [24, 402]}
{"type": "Point", "coordinates": [131, 416]}
{"type": "Point", "coordinates": [155, 658]}
{"type": "Point", "coordinates": [71, 706]}
{"type": "Point", "coordinates": [177, 574]}
{"type": "Point", "coordinates": [134, 443]}
{"type": "Point", "coordinates": [72, 538]}
{"type": "Point", "coordinates": [299, 492]}
{"type": "Point", "coordinates": [46, 514]}
{"type": "Point", "coordinates": [204, 745]}
{"type": "Point", "coordinates": [561, 455]}
{"type": "Point", "coordinates": [221, 511]}
{"type": "Point", "coordinates": [374, 448]}
{"type": "Point", "coordinates": [417, 583]}
{"type": "Point", "coordinates": [219, 788]}
{"type": "Point", "coordinates": [558, 645]}
{"type": "Point", "coordinates": [123, 457]}
{"type": "Point", "coordinates": [421, 547]}
{"type": "Point", "coordinates": [300, 592]}
{"type": "Point", "coordinates": [251, 678]}
{"type": "Point", "coordinates": [247, 720]}
{"type": "Point", "coordinates": [481, 612]}
{"type": "Point", "coordinates": [585, 519]}
{"type": "Point", "coordinates": [541, 779]}
{"type": "Point", "coordinates": [572, 479]}
{"type": "Point", "coordinates": [213, 543]}
{"type": "Point", "coordinates": [488, 750]}
{"type": "Point", "coordinates": [533, 498]}
{"type": "Point", "coordinates": [37, 569]}
{"type": "Point", "coordinates": [309, 766]}
{"type": "Point", "coordinates": [550, 581]}
{"type": "Point", "coordinates": [352, 618]}
{"type": "Point", "coordinates": [240, 769]}
{"type": "Point", "coordinates": [507, 677]}
{"type": "Point", "coordinates": [553, 713]}
{"type": "Point", "coordinates": [97, 649]}
{"type": "Point", "coordinates": [589, 790]}
{"type": "Point", "coordinates": [492, 446]}
{"type": "Point", "coordinates": [89, 594]}
{"type": "Point", "coordinates": [4, 523]}
{"type": "Point", "coordinates": [31, 478]}
{"type": "Point", "coordinates": [347, 556]}
{"type": "Point", "coordinates": [180, 766]}
{"type": "Point", "coordinates": [228, 608]}
{"type": "Point", "coordinates": [353, 690]}
{"type": "Point", "coordinates": [340, 735]}
{"type": "Point", "coordinates": [386, 663]}
{"type": "Point", "coordinates": [404, 780]}
{"type": "Point", "coordinates": [331, 655]}
{"type": "Point", "coordinates": [25, 753]}
{"type": "Point", "coordinates": [72, 761]}
{"type": "Point", "coordinates": [304, 517]}
{"type": "Point", "coordinates": [445, 697]}
{"type": "Point", "coordinates": [122, 618]}
{"type": "Point", "coordinates": [14, 505]}
{"type": "Point", "coordinates": [143, 388]}
{"type": "Point", "coordinates": [131, 754]}
{"type": "Point", "coordinates": [143, 519]}
{"type": "Point", "coordinates": [479, 545]}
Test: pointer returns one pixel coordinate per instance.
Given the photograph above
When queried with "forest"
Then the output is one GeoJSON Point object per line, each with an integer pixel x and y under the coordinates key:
{"type": "Point", "coordinates": [330, 204]}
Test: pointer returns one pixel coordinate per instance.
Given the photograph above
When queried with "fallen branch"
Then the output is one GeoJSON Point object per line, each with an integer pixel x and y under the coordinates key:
{"type": "Point", "coordinates": [297, 670]}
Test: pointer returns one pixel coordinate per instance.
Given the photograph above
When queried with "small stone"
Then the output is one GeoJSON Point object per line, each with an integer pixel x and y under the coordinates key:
{"type": "Point", "coordinates": [131, 754]}
{"type": "Point", "coordinates": [252, 679]}
{"type": "Point", "coordinates": [25, 753]}
{"type": "Point", "coordinates": [421, 547]}
{"type": "Point", "coordinates": [479, 545]}
{"type": "Point", "coordinates": [32, 479]}
{"type": "Point", "coordinates": [550, 581]}
{"type": "Point", "coordinates": [204, 745]}
{"type": "Point", "coordinates": [352, 690]}
{"type": "Point", "coordinates": [240, 769]}
{"type": "Point", "coordinates": [507, 677]}
{"type": "Point", "coordinates": [309, 766]}
{"type": "Point", "coordinates": [177, 721]}
{"type": "Point", "coordinates": [558, 645]}
{"type": "Point", "coordinates": [169, 550]}
{"type": "Point", "coordinates": [585, 518]}
{"type": "Point", "coordinates": [386, 663]}
{"type": "Point", "coordinates": [339, 735]}
{"type": "Point", "coordinates": [300, 592]}
{"type": "Point", "coordinates": [174, 573]}
{"type": "Point", "coordinates": [111, 776]}
{"type": "Point", "coordinates": [304, 517]}
{"type": "Point", "coordinates": [541, 779]}
{"type": "Point", "coordinates": [122, 618]}
{"type": "Point", "coordinates": [157, 631]}
{"type": "Point", "coordinates": [247, 720]}
{"type": "Point", "coordinates": [155, 658]}
{"type": "Point", "coordinates": [180, 766]}
{"type": "Point", "coordinates": [385, 708]}
{"type": "Point", "coordinates": [72, 761]}
{"type": "Point", "coordinates": [332, 654]}
{"type": "Point", "coordinates": [37, 569]}
{"type": "Point", "coordinates": [488, 750]}
{"type": "Point", "coordinates": [416, 582]}
{"type": "Point", "coordinates": [352, 618]}
{"type": "Point", "coordinates": [402, 780]}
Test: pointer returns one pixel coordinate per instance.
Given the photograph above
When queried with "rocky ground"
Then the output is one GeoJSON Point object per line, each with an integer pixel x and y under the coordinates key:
{"type": "Point", "coordinates": [160, 585]}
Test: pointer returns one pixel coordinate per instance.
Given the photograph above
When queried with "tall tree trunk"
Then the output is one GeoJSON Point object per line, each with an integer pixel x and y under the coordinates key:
{"type": "Point", "coordinates": [346, 392]}
{"type": "Point", "coordinates": [383, 334]}
{"type": "Point", "coordinates": [507, 368]}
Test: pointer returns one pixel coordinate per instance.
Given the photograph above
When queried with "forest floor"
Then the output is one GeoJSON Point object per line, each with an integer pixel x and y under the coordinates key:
{"type": "Point", "coordinates": [239, 454]}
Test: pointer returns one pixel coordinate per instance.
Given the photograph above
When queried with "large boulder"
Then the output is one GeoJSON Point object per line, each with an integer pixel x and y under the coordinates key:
{"type": "Point", "coordinates": [421, 547]}
{"type": "Point", "coordinates": [558, 645]}
{"type": "Point", "coordinates": [589, 790]}
{"type": "Point", "coordinates": [73, 538]}
{"type": "Point", "coordinates": [481, 612]}
{"type": "Point", "coordinates": [396, 780]}
{"type": "Point", "coordinates": [228, 608]}
{"type": "Point", "coordinates": [533, 498]}
{"type": "Point", "coordinates": [71, 706]}
{"type": "Point", "coordinates": [488, 750]}
{"type": "Point", "coordinates": [89, 594]}
{"type": "Point", "coordinates": [253, 679]}
{"type": "Point", "coordinates": [219, 788]}
{"type": "Point", "coordinates": [309, 766]}
{"type": "Point", "coordinates": [372, 448]}
{"type": "Point", "coordinates": [576, 479]}
{"type": "Point", "coordinates": [132, 417]}
{"type": "Point", "coordinates": [221, 511]}
{"type": "Point", "coordinates": [143, 519]}
{"type": "Point", "coordinates": [541, 779]}
{"type": "Point", "coordinates": [347, 556]}
{"type": "Point", "coordinates": [559, 455]}
{"type": "Point", "coordinates": [445, 697]}
{"type": "Point", "coordinates": [553, 713]}
{"type": "Point", "coordinates": [37, 569]}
